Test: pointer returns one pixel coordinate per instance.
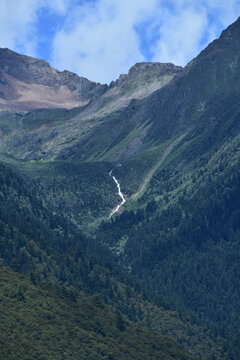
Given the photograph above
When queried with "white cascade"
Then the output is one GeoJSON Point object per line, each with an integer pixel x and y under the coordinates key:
{"type": "Point", "coordinates": [119, 193]}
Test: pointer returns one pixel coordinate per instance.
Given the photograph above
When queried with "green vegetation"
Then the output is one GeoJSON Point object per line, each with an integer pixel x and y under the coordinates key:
{"type": "Point", "coordinates": [48, 248]}
{"type": "Point", "coordinates": [82, 192]}
{"type": "Point", "coordinates": [43, 322]}
{"type": "Point", "coordinates": [186, 244]}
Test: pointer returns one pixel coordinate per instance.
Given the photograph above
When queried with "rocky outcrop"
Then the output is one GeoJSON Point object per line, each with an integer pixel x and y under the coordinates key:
{"type": "Point", "coordinates": [142, 80]}
{"type": "Point", "coordinates": [155, 69]}
{"type": "Point", "coordinates": [28, 83]}
{"type": "Point", "coordinates": [144, 75]}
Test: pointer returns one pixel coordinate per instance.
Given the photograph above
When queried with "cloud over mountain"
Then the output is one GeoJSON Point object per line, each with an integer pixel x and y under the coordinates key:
{"type": "Point", "coordinates": [100, 39]}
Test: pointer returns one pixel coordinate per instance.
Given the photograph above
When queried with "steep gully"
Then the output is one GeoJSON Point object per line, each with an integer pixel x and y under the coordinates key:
{"type": "Point", "coordinates": [147, 178]}
{"type": "Point", "coordinates": [119, 193]}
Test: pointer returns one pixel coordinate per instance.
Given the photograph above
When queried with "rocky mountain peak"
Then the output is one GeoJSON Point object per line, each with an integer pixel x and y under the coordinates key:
{"type": "Point", "coordinates": [146, 74]}
{"type": "Point", "coordinates": [160, 68]}
{"type": "Point", "coordinates": [23, 80]}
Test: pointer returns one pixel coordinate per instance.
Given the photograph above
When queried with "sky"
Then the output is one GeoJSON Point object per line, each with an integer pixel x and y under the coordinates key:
{"type": "Point", "coordinates": [101, 39]}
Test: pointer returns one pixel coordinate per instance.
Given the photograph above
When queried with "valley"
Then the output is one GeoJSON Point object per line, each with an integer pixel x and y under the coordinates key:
{"type": "Point", "coordinates": [122, 201]}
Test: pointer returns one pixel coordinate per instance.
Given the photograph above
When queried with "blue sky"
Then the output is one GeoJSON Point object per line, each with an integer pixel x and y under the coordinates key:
{"type": "Point", "coordinates": [101, 39]}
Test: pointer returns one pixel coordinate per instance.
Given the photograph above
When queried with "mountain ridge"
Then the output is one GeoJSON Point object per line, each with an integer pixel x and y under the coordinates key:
{"type": "Point", "coordinates": [28, 83]}
{"type": "Point", "coordinates": [29, 70]}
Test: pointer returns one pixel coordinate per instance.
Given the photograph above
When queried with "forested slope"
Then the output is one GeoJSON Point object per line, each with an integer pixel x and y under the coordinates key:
{"type": "Point", "coordinates": [47, 322]}
{"type": "Point", "coordinates": [183, 241]}
{"type": "Point", "coordinates": [47, 248]}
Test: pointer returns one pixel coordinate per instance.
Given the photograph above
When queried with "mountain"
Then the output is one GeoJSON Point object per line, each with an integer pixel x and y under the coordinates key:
{"type": "Point", "coordinates": [59, 108]}
{"type": "Point", "coordinates": [169, 258]}
{"type": "Point", "coordinates": [27, 83]}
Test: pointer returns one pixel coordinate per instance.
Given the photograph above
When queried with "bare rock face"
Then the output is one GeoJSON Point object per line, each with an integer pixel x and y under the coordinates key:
{"type": "Point", "coordinates": [145, 73]}
{"type": "Point", "coordinates": [29, 83]}
{"type": "Point", "coordinates": [155, 67]}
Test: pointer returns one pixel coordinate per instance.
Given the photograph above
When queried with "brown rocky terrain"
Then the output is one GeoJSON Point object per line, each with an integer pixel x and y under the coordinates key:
{"type": "Point", "coordinates": [27, 83]}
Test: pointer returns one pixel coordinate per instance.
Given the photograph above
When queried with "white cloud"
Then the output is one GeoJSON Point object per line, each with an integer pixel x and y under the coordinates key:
{"type": "Point", "coordinates": [99, 41]}
{"type": "Point", "coordinates": [188, 26]}
{"type": "Point", "coordinates": [18, 19]}
{"type": "Point", "coordinates": [225, 12]}
{"type": "Point", "coordinates": [180, 36]}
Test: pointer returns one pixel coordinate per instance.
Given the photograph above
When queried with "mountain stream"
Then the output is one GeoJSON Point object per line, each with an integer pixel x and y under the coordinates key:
{"type": "Point", "coordinates": [119, 193]}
